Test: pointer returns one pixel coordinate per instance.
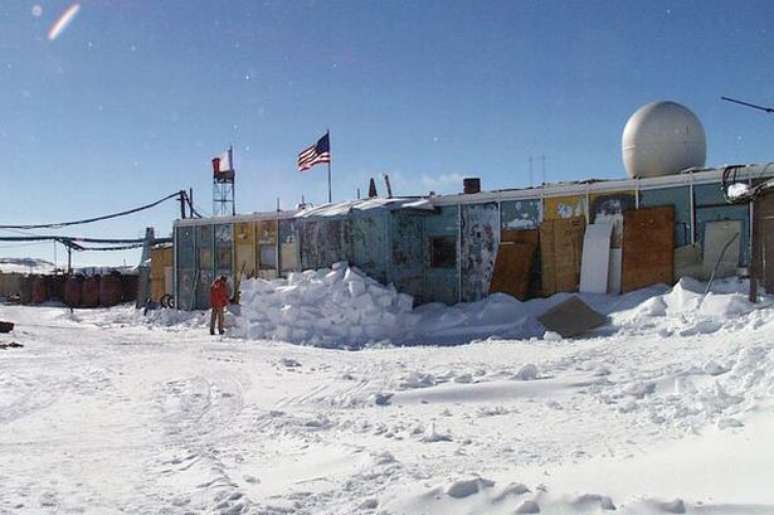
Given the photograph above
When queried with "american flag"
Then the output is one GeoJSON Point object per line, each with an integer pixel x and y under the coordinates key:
{"type": "Point", "coordinates": [318, 153]}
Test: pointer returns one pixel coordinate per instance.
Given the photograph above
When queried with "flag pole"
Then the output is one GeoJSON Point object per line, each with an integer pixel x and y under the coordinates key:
{"type": "Point", "coordinates": [330, 158]}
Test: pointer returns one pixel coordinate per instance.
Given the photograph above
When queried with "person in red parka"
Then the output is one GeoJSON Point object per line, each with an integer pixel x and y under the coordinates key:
{"type": "Point", "coordinates": [218, 301]}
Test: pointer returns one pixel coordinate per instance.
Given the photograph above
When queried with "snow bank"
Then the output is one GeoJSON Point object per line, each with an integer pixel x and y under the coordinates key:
{"type": "Point", "coordinates": [343, 308]}
{"type": "Point", "coordinates": [338, 307]}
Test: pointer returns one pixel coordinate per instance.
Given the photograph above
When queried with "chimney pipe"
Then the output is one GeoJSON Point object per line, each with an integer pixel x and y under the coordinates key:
{"type": "Point", "coordinates": [471, 185]}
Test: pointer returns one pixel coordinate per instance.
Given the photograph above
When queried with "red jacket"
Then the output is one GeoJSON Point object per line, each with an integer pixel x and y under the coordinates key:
{"type": "Point", "coordinates": [219, 294]}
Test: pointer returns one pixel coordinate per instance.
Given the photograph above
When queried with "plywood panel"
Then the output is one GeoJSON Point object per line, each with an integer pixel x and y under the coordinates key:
{"type": "Point", "coordinates": [512, 268]}
{"type": "Point", "coordinates": [764, 212]}
{"type": "Point", "coordinates": [561, 246]}
{"type": "Point", "coordinates": [648, 247]}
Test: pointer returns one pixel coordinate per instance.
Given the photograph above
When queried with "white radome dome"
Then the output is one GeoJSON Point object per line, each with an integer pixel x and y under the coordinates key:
{"type": "Point", "coordinates": [663, 138]}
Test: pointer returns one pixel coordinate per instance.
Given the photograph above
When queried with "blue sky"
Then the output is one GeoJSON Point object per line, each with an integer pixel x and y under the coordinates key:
{"type": "Point", "coordinates": [132, 100]}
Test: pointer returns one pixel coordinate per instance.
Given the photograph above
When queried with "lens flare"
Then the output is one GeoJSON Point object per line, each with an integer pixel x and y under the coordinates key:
{"type": "Point", "coordinates": [61, 24]}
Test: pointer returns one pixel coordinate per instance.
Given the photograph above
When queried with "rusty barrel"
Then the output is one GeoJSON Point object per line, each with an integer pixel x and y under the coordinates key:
{"type": "Point", "coordinates": [90, 292]}
{"type": "Point", "coordinates": [56, 287]}
{"type": "Point", "coordinates": [110, 290]}
{"type": "Point", "coordinates": [39, 289]}
{"type": "Point", "coordinates": [73, 291]}
{"type": "Point", "coordinates": [25, 289]}
{"type": "Point", "coordinates": [129, 287]}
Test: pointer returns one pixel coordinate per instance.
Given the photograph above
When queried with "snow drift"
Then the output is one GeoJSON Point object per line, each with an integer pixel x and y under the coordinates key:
{"type": "Point", "coordinates": [341, 307]}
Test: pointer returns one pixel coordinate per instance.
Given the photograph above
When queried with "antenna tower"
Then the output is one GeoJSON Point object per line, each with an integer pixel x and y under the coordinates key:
{"type": "Point", "coordinates": [223, 203]}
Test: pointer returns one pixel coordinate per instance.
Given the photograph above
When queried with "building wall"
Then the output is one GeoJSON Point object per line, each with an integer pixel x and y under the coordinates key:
{"type": "Point", "coordinates": [370, 250]}
{"type": "Point", "coordinates": [407, 252]}
{"type": "Point", "coordinates": [441, 281]}
{"type": "Point", "coordinates": [711, 206]}
{"type": "Point", "coordinates": [445, 255]}
{"type": "Point", "coordinates": [480, 231]}
{"type": "Point", "coordinates": [521, 214]}
{"type": "Point", "coordinates": [680, 198]}
{"type": "Point", "coordinates": [323, 242]}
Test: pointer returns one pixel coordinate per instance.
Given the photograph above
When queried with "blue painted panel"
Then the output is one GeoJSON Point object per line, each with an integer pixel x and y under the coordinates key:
{"type": "Point", "coordinates": [369, 234]}
{"type": "Point", "coordinates": [480, 238]}
{"type": "Point", "coordinates": [521, 214]}
{"type": "Point", "coordinates": [186, 267]}
{"type": "Point", "coordinates": [186, 255]}
{"type": "Point", "coordinates": [440, 284]}
{"type": "Point", "coordinates": [678, 197]}
{"type": "Point", "coordinates": [711, 206]}
{"type": "Point", "coordinates": [407, 253]}
{"type": "Point", "coordinates": [205, 272]}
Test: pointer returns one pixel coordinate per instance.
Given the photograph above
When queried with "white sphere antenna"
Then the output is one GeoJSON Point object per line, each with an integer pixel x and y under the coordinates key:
{"type": "Point", "coordinates": [663, 138]}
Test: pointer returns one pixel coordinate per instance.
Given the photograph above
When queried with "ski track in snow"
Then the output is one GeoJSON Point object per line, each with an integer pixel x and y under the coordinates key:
{"type": "Point", "coordinates": [102, 412]}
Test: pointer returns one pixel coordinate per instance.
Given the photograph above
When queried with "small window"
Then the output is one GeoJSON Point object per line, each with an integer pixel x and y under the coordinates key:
{"type": "Point", "coordinates": [267, 257]}
{"type": "Point", "coordinates": [443, 252]}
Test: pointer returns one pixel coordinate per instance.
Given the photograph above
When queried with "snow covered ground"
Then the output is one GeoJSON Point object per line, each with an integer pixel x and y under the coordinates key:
{"type": "Point", "coordinates": [667, 409]}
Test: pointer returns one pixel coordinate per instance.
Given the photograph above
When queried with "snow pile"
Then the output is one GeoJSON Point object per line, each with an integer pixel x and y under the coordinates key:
{"type": "Point", "coordinates": [688, 310]}
{"type": "Point", "coordinates": [337, 307]}
{"type": "Point", "coordinates": [343, 308]}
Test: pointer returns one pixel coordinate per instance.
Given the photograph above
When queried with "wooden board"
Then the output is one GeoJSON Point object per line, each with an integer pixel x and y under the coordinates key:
{"type": "Point", "coordinates": [648, 247]}
{"type": "Point", "coordinates": [512, 268]}
{"type": "Point", "coordinates": [561, 246]}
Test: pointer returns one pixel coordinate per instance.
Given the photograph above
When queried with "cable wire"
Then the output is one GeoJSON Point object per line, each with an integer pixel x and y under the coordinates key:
{"type": "Point", "coordinates": [95, 219]}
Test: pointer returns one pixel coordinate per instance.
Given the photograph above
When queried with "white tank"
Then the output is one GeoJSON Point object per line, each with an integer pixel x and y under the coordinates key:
{"type": "Point", "coordinates": [663, 138]}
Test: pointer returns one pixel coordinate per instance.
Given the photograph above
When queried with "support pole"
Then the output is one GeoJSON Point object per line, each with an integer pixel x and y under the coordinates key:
{"type": "Point", "coordinates": [181, 199]}
{"type": "Point", "coordinates": [69, 259]}
{"type": "Point", "coordinates": [233, 179]}
{"type": "Point", "coordinates": [755, 258]}
{"type": "Point", "coordinates": [330, 158]}
{"type": "Point", "coordinates": [330, 198]}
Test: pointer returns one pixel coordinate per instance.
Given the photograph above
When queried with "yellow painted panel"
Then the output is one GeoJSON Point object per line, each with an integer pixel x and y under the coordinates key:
{"type": "Point", "coordinates": [244, 246]}
{"type": "Point", "coordinates": [564, 207]}
{"type": "Point", "coordinates": [266, 241]}
{"type": "Point", "coordinates": [266, 231]}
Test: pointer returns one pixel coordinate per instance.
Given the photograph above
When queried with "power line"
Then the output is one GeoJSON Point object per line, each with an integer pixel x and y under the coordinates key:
{"type": "Point", "coordinates": [95, 219]}
{"type": "Point", "coordinates": [748, 104]}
